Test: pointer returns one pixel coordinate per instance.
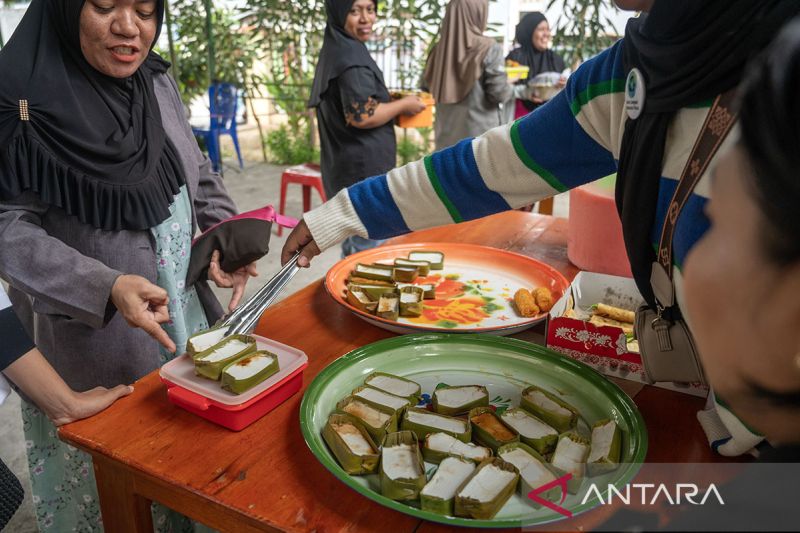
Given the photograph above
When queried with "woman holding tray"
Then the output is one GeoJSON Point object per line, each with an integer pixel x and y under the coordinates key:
{"type": "Point", "coordinates": [354, 110]}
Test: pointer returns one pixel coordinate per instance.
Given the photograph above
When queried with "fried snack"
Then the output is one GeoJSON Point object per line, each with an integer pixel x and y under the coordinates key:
{"type": "Point", "coordinates": [615, 313]}
{"type": "Point", "coordinates": [525, 304]}
{"type": "Point", "coordinates": [598, 320]}
{"type": "Point", "coordinates": [544, 299]}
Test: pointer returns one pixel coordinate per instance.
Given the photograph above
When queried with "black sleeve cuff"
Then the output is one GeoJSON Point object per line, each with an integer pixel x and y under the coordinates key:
{"type": "Point", "coordinates": [15, 341]}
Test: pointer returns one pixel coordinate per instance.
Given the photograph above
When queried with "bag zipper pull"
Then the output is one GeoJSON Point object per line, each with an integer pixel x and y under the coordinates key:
{"type": "Point", "coordinates": [661, 327]}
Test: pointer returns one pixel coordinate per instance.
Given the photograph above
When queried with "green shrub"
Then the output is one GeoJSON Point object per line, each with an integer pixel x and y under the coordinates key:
{"type": "Point", "coordinates": [409, 150]}
{"type": "Point", "coordinates": [290, 147]}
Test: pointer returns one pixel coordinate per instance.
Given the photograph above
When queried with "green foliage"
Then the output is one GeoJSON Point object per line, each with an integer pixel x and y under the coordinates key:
{"type": "Point", "coordinates": [409, 150]}
{"type": "Point", "coordinates": [235, 50]}
{"type": "Point", "coordinates": [288, 146]}
{"type": "Point", "coordinates": [580, 31]}
{"type": "Point", "coordinates": [412, 26]}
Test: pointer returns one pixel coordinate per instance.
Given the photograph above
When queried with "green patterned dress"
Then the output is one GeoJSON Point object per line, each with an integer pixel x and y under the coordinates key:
{"type": "Point", "coordinates": [62, 477]}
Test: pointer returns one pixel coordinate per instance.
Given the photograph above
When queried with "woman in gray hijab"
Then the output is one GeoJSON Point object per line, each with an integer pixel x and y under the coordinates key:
{"type": "Point", "coordinates": [466, 75]}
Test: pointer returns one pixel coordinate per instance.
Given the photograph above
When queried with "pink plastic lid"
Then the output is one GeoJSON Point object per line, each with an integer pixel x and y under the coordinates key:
{"type": "Point", "coordinates": [180, 372]}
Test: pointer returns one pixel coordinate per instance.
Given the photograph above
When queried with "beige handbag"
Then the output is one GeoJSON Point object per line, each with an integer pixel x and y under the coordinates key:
{"type": "Point", "coordinates": [666, 345]}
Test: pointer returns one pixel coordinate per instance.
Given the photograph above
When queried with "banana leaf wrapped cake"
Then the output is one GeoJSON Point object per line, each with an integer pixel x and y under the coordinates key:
{"type": "Point", "coordinates": [422, 422]}
{"type": "Point", "coordinates": [383, 399]}
{"type": "Point", "coordinates": [438, 495]}
{"type": "Point", "coordinates": [203, 340]}
{"type": "Point", "coordinates": [423, 267]}
{"type": "Point", "coordinates": [570, 457]}
{"type": "Point", "coordinates": [549, 408]}
{"type": "Point", "coordinates": [351, 444]}
{"type": "Point", "coordinates": [401, 468]}
{"type": "Point", "coordinates": [459, 399]}
{"type": "Point", "coordinates": [532, 431]}
{"type": "Point", "coordinates": [210, 362]}
{"type": "Point", "coordinates": [606, 448]}
{"type": "Point", "coordinates": [489, 430]}
{"type": "Point", "coordinates": [411, 301]}
{"type": "Point", "coordinates": [394, 385]}
{"type": "Point", "coordinates": [439, 446]}
{"type": "Point", "coordinates": [434, 258]}
{"type": "Point", "coordinates": [246, 372]}
{"type": "Point", "coordinates": [533, 471]}
{"type": "Point", "coordinates": [377, 420]}
{"type": "Point", "coordinates": [487, 490]}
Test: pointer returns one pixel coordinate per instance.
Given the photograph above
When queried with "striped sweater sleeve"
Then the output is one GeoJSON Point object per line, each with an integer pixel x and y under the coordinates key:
{"type": "Point", "coordinates": [570, 141]}
{"type": "Point", "coordinates": [14, 342]}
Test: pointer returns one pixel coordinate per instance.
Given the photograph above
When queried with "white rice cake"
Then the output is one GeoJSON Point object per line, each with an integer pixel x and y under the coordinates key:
{"type": "Point", "coordinates": [487, 483]}
{"type": "Point", "coordinates": [451, 474]}
{"type": "Point", "coordinates": [371, 416]}
{"type": "Point", "coordinates": [532, 471]}
{"type": "Point", "coordinates": [229, 349]}
{"type": "Point", "coordinates": [354, 439]}
{"type": "Point", "coordinates": [527, 425]}
{"type": "Point", "coordinates": [401, 462]}
{"type": "Point", "coordinates": [453, 425]}
{"type": "Point", "coordinates": [392, 385]}
{"type": "Point", "coordinates": [458, 396]}
{"type": "Point", "coordinates": [382, 398]}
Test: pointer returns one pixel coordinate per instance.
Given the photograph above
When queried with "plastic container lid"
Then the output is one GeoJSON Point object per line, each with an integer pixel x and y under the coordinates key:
{"type": "Point", "coordinates": [180, 371]}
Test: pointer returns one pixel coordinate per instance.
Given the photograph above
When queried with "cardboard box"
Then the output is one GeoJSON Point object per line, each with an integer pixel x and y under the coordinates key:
{"type": "Point", "coordinates": [604, 348]}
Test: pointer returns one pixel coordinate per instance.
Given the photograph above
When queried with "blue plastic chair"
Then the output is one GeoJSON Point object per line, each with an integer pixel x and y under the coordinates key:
{"type": "Point", "coordinates": [222, 98]}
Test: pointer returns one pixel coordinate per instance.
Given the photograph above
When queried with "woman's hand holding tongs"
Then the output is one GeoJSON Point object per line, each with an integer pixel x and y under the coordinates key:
{"type": "Point", "coordinates": [226, 280]}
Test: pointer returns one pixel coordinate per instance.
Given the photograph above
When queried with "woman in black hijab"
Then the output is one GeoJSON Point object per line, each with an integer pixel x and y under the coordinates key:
{"type": "Point", "coordinates": [533, 36]}
{"type": "Point", "coordinates": [354, 111]}
{"type": "Point", "coordinates": [102, 187]}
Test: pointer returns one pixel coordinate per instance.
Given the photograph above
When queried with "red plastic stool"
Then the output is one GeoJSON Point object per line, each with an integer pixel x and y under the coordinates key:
{"type": "Point", "coordinates": [308, 175]}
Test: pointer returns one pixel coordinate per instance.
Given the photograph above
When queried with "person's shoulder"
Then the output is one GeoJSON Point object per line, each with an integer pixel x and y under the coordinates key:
{"type": "Point", "coordinates": [494, 55]}
{"type": "Point", "coordinates": [602, 74]}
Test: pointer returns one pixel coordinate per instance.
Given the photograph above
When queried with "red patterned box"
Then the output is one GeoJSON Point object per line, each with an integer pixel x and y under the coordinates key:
{"type": "Point", "coordinates": [604, 348]}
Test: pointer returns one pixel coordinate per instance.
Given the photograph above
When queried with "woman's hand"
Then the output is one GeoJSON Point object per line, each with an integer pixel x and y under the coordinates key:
{"type": "Point", "coordinates": [225, 280]}
{"type": "Point", "coordinates": [300, 240]}
{"type": "Point", "coordinates": [40, 382]}
{"type": "Point", "coordinates": [412, 105]}
{"type": "Point", "coordinates": [143, 305]}
{"type": "Point", "coordinates": [85, 404]}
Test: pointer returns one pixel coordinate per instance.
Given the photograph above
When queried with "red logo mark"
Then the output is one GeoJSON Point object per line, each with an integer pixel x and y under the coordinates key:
{"type": "Point", "coordinates": [560, 482]}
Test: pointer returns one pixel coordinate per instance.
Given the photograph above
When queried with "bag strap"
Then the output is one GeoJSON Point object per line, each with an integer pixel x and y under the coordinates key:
{"type": "Point", "coordinates": [719, 122]}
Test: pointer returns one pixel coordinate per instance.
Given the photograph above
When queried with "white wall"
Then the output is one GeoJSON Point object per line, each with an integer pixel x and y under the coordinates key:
{"type": "Point", "coordinates": [9, 18]}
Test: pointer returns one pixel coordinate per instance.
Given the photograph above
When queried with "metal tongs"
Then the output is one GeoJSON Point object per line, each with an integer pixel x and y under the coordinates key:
{"type": "Point", "coordinates": [244, 318]}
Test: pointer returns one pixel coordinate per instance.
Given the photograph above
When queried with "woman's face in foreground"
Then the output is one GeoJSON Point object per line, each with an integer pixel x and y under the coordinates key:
{"type": "Point", "coordinates": [116, 35]}
{"type": "Point", "coordinates": [360, 20]}
{"type": "Point", "coordinates": [743, 308]}
{"type": "Point", "coordinates": [541, 36]}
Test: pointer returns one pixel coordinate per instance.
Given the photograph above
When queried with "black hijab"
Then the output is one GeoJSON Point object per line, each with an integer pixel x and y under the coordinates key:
{"type": "Point", "coordinates": [92, 145]}
{"type": "Point", "coordinates": [339, 51]}
{"type": "Point", "coordinates": [527, 54]}
{"type": "Point", "coordinates": [688, 52]}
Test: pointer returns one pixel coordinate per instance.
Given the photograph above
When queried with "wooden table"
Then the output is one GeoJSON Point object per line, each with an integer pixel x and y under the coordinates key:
{"type": "Point", "coordinates": [265, 478]}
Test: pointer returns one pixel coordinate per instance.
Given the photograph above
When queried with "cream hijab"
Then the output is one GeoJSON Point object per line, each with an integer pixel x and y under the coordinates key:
{"type": "Point", "coordinates": [456, 61]}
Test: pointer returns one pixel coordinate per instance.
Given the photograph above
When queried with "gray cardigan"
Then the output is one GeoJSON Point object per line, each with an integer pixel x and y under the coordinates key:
{"type": "Point", "coordinates": [486, 106]}
{"type": "Point", "coordinates": [61, 271]}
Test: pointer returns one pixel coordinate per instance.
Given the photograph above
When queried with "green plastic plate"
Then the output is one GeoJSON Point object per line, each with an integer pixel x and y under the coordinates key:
{"type": "Point", "coordinates": [505, 366]}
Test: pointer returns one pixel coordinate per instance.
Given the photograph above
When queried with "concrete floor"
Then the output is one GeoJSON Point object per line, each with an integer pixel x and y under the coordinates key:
{"type": "Point", "coordinates": [257, 185]}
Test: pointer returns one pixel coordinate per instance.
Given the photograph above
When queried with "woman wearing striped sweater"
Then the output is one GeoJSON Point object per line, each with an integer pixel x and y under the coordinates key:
{"type": "Point", "coordinates": [687, 53]}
